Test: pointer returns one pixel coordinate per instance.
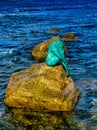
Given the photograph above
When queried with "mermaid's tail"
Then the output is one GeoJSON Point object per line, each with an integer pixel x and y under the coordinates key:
{"type": "Point", "coordinates": [65, 65]}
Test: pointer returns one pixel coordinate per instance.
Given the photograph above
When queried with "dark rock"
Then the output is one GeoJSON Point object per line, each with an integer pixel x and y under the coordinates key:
{"type": "Point", "coordinates": [53, 30]}
{"type": "Point", "coordinates": [70, 37]}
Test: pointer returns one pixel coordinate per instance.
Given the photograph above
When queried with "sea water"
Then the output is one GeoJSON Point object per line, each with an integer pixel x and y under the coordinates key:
{"type": "Point", "coordinates": [22, 26]}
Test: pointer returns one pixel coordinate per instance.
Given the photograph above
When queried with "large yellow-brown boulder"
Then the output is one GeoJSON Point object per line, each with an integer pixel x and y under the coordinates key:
{"type": "Point", "coordinates": [39, 52]}
{"type": "Point", "coordinates": [41, 88]}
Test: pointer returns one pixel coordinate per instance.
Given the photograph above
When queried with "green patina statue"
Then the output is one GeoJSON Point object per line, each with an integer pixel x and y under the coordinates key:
{"type": "Point", "coordinates": [56, 54]}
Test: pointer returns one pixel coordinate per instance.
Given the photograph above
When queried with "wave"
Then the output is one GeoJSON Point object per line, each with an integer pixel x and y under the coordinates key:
{"type": "Point", "coordinates": [46, 5]}
{"type": "Point", "coordinates": [54, 8]}
{"type": "Point", "coordinates": [4, 52]}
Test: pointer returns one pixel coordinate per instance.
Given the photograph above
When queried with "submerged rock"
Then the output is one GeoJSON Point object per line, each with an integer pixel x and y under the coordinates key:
{"type": "Point", "coordinates": [4, 126]}
{"type": "Point", "coordinates": [53, 30]}
{"type": "Point", "coordinates": [44, 120]}
{"type": "Point", "coordinates": [70, 37]}
{"type": "Point", "coordinates": [39, 52]}
{"type": "Point", "coordinates": [41, 88]}
{"type": "Point", "coordinates": [20, 119]}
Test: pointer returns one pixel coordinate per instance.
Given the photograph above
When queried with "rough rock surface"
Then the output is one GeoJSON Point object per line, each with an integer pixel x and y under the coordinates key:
{"type": "Point", "coordinates": [41, 88]}
{"type": "Point", "coordinates": [39, 52]}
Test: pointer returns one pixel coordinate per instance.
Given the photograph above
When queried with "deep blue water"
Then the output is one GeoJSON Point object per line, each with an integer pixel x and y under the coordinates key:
{"type": "Point", "coordinates": [22, 26]}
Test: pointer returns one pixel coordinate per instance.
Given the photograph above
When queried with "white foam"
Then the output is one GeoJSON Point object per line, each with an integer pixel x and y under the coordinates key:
{"type": "Point", "coordinates": [6, 51]}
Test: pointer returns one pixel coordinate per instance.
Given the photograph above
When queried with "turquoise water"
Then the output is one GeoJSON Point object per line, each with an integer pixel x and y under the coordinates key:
{"type": "Point", "coordinates": [23, 25]}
